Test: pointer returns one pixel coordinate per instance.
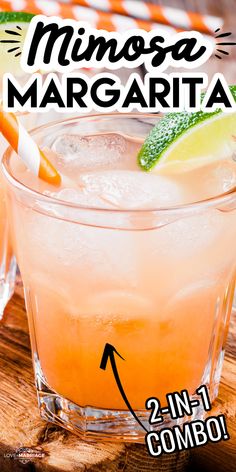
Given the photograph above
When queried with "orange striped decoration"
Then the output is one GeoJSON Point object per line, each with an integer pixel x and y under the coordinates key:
{"type": "Point", "coordinates": [27, 149]}
{"type": "Point", "coordinates": [174, 17]}
{"type": "Point", "coordinates": [119, 15]}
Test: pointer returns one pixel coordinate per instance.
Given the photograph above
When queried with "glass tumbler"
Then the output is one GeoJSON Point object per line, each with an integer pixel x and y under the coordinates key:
{"type": "Point", "coordinates": [152, 286]}
{"type": "Point", "coordinates": [7, 259]}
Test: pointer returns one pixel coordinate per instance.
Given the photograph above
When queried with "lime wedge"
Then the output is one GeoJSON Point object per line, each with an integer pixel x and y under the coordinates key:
{"type": "Point", "coordinates": [183, 140]}
{"type": "Point", "coordinates": [13, 28]}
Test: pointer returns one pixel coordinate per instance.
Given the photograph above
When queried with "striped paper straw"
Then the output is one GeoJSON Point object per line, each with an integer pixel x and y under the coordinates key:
{"type": "Point", "coordinates": [27, 149]}
{"type": "Point", "coordinates": [97, 18]}
{"type": "Point", "coordinates": [175, 17]}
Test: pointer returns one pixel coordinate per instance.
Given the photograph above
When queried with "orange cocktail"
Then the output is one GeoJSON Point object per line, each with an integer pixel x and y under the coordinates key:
{"type": "Point", "coordinates": [123, 257]}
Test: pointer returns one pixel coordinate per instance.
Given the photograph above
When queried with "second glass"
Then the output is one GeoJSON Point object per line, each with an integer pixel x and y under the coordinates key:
{"type": "Point", "coordinates": [7, 259]}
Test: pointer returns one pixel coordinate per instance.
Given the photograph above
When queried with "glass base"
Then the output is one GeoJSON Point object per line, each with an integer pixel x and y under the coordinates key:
{"type": "Point", "coordinates": [91, 423]}
{"type": "Point", "coordinates": [7, 286]}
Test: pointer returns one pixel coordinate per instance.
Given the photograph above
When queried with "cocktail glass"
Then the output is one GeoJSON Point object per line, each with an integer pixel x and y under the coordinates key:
{"type": "Point", "coordinates": [8, 265]}
{"type": "Point", "coordinates": [7, 259]}
{"type": "Point", "coordinates": [152, 285]}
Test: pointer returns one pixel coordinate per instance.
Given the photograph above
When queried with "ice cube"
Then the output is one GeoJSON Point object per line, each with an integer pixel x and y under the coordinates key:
{"type": "Point", "coordinates": [74, 196]}
{"type": "Point", "coordinates": [131, 189]}
{"type": "Point", "coordinates": [217, 179]}
{"type": "Point", "coordinates": [80, 197]}
{"type": "Point", "coordinates": [121, 189]}
{"type": "Point", "coordinates": [106, 151]}
{"type": "Point", "coordinates": [209, 181]}
{"type": "Point", "coordinates": [223, 177]}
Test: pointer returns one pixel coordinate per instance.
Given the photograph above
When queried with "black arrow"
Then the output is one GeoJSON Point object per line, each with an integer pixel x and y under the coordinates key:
{"type": "Point", "coordinates": [108, 353]}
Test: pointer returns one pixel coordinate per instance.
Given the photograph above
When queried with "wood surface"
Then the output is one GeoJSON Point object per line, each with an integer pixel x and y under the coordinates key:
{"type": "Point", "coordinates": [20, 424]}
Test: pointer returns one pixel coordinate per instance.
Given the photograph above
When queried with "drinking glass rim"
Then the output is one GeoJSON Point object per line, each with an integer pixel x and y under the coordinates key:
{"type": "Point", "coordinates": [172, 209]}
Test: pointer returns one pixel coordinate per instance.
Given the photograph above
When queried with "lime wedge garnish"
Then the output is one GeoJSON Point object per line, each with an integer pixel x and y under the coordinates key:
{"type": "Point", "coordinates": [183, 140]}
{"type": "Point", "coordinates": [13, 28]}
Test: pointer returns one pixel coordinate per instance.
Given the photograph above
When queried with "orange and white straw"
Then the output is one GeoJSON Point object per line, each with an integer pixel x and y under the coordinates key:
{"type": "Point", "coordinates": [143, 10]}
{"type": "Point", "coordinates": [118, 15]}
{"type": "Point", "coordinates": [27, 149]}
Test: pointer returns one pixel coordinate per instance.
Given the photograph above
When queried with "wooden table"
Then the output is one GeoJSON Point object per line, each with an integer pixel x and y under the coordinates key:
{"type": "Point", "coordinates": [20, 424]}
